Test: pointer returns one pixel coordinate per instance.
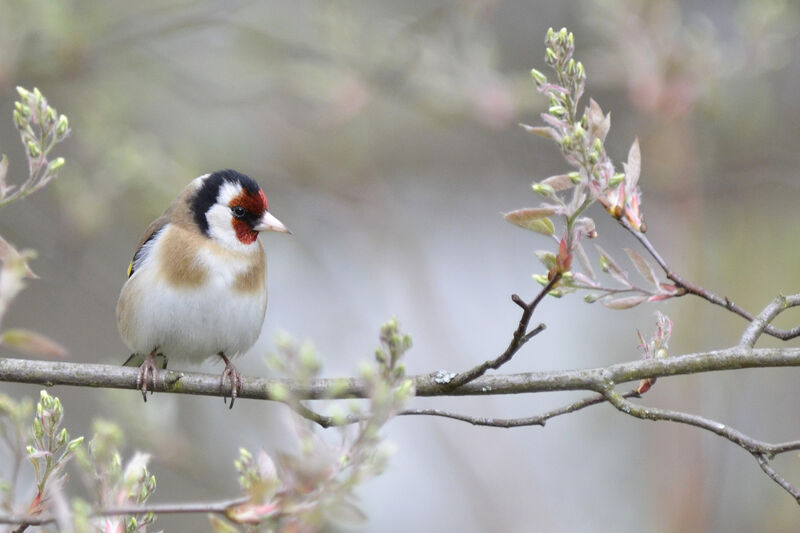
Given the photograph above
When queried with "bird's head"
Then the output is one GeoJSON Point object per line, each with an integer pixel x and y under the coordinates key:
{"type": "Point", "coordinates": [231, 208]}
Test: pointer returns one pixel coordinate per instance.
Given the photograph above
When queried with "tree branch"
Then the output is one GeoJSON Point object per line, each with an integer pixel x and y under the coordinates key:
{"type": "Point", "coordinates": [50, 373]}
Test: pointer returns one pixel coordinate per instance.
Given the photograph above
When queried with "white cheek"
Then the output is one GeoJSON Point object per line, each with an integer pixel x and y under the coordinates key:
{"type": "Point", "coordinates": [220, 227]}
{"type": "Point", "coordinates": [220, 219]}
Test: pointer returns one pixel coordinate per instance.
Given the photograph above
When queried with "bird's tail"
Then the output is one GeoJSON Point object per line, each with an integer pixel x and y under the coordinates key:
{"type": "Point", "coordinates": [137, 359]}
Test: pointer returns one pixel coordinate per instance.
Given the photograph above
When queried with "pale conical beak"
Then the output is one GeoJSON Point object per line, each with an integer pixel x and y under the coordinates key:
{"type": "Point", "coordinates": [270, 223]}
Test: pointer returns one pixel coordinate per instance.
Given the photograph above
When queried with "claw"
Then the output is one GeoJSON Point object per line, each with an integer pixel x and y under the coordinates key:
{"type": "Point", "coordinates": [147, 374]}
{"type": "Point", "coordinates": [235, 378]}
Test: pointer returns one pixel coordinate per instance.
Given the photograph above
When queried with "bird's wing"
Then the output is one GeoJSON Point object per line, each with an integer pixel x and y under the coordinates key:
{"type": "Point", "coordinates": [137, 360]}
{"type": "Point", "coordinates": [141, 250]}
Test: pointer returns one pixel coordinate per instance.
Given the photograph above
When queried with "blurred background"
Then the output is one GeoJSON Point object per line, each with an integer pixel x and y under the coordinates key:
{"type": "Point", "coordinates": [385, 136]}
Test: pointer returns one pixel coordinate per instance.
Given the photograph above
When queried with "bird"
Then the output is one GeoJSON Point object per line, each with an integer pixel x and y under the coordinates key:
{"type": "Point", "coordinates": [196, 286]}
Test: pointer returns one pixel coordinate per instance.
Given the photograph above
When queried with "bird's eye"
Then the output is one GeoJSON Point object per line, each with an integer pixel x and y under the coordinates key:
{"type": "Point", "coordinates": [238, 211]}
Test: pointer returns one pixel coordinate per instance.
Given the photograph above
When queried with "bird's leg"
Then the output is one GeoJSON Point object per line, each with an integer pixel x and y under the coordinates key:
{"type": "Point", "coordinates": [235, 378]}
{"type": "Point", "coordinates": [147, 372]}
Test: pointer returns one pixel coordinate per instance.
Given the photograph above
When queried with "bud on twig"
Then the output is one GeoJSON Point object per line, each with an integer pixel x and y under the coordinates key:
{"type": "Point", "coordinates": [63, 126]}
{"type": "Point", "coordinates": [50, 116]}
{"type": "Point", "coordinates": [538, 77]}
{"type": "Point", "coordinates": [55, 165]}
{"type": "Point", "coordinates": [33, 149]}
{"type": "Point", "coordinates": [543, 189]}
{"type": "Point", "coordinates": [616, 179]}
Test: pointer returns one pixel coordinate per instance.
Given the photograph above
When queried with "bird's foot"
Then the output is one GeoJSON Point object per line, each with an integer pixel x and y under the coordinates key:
{"type": "Point", "coordinates": [235, 378]}
{"type": "Point", "coordinates": [147, 374]}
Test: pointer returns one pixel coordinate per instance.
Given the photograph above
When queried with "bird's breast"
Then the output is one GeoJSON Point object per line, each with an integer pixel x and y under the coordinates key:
{"type": "Point", "coordinates": [192, 298]}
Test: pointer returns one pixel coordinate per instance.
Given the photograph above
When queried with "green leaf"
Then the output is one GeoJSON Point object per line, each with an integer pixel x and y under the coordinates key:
{"type": "Point", "coordinates": [598, 123]}
{"type": "Point", "coordinates": [559, 182]}
{"type": "Point", "coordinates": [624, 303]}
{"type": "Point", "coordinates": [633, 166]}
{"type": "Point", "coordinates": [7, 251]}
{"type": "Point", "coordinates": [533, 219]}
{"type": "Point", "coordinates": [583, 259]}
{"type": "Point", "coordinates": [32, 342]}
{"type": "Point", "coordinates": [547, 258]}
{"type": "Point", "coordinates": [3, 171]}
{"type": "Point", "coordinates": [345, 514]}
{"type": "Point", "coordinates": [644, 268]}
{"type": "Point", "coordinates": [541, 131]}
{"type": "Point", "coordinates": [221, 526]}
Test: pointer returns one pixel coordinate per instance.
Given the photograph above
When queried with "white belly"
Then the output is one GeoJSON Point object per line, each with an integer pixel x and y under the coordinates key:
{"type": "Point", "coordinates": [189, 323]}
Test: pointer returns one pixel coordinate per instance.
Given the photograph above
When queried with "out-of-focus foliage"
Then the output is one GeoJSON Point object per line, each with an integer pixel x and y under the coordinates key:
{"type": "Point", "coordinates": [352, 75]}
{"type": "Point", "coordinates": [40, 128]}
{"type": "Point", "coordinates": [46, 445]}
{"type": "Point", "coordinates": [305, 491]}
{"type": "Point", "coordinates": [114, 485]}
{"type": "Point", "coordinates": [14, 420]}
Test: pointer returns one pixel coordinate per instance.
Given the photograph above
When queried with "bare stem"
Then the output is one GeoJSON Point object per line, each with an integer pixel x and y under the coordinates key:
{"type": "Point", "coordinates": [218, 507]}
{"type": "Point", "coordinates": [520, 337]}
{"type": "Point", "coordinates": [536, 420]}
{"type": "Point", "coordinates": [689, 288]}
{"type": "Point", "coordinates": [760, 450]}
{"type": "Point", "coordinates": [763, 462]}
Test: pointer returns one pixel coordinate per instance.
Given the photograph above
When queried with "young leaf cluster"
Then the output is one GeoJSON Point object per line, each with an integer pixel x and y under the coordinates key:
{"type": "Point", "coordinates": [592, 179]}
{"type": "Point", "coordinates": [50, 449]}
{"type": "Point", "coordinates": [115, 485]}
{"type": "Point", "coordinates": [656, 348]}
{"type": "Point", "coordinates": [40, 128]}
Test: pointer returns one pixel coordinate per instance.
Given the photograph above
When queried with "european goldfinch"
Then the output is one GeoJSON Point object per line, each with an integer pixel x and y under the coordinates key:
{"type": "Point", "coordinates": [196, 286]}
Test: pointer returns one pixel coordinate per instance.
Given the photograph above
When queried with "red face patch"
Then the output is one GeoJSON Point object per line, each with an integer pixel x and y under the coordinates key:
{"type": "Point", "coordinates": [255, 205]}
{"type": "Point", "coordinates": [244, 232]}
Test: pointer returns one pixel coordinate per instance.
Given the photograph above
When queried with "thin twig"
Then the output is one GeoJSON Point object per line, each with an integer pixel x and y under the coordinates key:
{"type": "Point", "coordinates": [761, 450]}
{"type": "Point", "coordinates": [767, 315]}
{"type": "Point", "coordinates": [654, 413]}
{"type": "Point", "coordinates": [518, 339]}
{"type": "Point", "coordinates": [536, 420]}
{"type": "Point", "coordinates": [217, 507]}
{"type": "Point", "coordinates": [321, 420]}
{"type": "Point", "coordinates": [689, 288]}
{"type": "Point", "coordinates": [763, 462]}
